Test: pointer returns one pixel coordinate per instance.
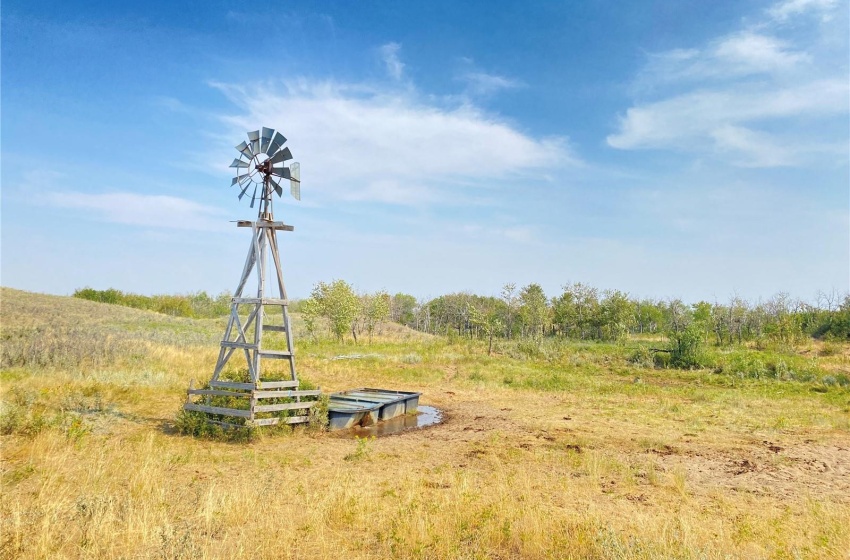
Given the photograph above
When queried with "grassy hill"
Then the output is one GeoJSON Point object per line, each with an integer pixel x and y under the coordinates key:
{"type": "Point", "coordinates": [574, 450]}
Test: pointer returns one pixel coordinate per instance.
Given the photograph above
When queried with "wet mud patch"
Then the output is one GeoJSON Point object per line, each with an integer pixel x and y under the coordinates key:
{"type": "Point", "coordinates": [426, 416]}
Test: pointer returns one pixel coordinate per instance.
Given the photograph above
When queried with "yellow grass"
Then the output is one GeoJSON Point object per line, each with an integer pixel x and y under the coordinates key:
{"type": "Point", "coordinates": [571, 454]}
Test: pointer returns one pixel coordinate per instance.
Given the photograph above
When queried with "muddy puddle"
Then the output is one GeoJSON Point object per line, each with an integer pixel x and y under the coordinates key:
{"type": "Point", "coordinates": [426, 416]}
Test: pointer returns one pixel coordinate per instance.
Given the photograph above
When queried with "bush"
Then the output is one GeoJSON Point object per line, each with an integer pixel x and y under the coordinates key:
{"type": "Point", "coordinates": [319, 414]}
{"type": "Point", "coordinates": [190, 305]}
{"type": "Point", "coordinates": [411, 358]}
{"type": "Point", "coordinates": [686, 348]}
{"type": "Point", "coordinates": [642, 357]}
{"type": "Point", "coordinates": [747, 365]}
{"type": "Point", "coordinates": [197, 424]}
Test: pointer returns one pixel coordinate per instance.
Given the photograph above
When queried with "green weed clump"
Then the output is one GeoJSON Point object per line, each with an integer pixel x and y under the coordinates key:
{"type": "Point", "coordinates": [27, 413]}
{"type": "Point", "coordinates": [197, 424]}
{"type": "Point", "coordinates": [362, 449]}
{"type": "Point", "coordinates": [319, 414]}
{"type": "Point", "coordinates": [642, 357]}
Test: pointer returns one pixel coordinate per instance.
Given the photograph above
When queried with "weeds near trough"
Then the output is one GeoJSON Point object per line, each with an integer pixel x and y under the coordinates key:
{"type": "Point", "coordinates": [362, 449]}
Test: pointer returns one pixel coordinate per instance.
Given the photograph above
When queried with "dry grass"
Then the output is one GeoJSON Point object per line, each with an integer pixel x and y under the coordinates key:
{"type": "Point", "coordinates": [570, 453]}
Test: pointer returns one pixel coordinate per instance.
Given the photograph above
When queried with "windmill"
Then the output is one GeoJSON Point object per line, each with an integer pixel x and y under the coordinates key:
{"type": "Point", "coordinates": [253, 395]}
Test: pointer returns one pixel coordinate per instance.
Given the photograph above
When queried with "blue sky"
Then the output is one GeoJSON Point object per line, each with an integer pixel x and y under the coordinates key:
{"type": "Point", "coordinates": [664, 148]}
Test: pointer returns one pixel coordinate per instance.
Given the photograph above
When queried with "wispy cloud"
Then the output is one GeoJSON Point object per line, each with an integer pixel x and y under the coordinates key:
{"type": "Point", "coordinates": [721, 121]}
{"type": "Point", "coordinates": [784, 10]}
{"type": "Point", "coordinates": [156, 211]}
{"type": "Point", "coordinates": [368, 142]}
{"type": "Point", "coordinates": [389, 54]}
{"type": "Point", "coordinates": [482, 83]}
{"type": "Point", "coordinates": [762, 96]}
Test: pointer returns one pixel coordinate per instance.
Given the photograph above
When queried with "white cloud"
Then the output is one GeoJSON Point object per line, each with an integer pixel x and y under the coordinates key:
{"type": "Point", "coordinates": [482, 83]}
{"type": "Point", "coordinates": [781, 11]}
{"type": "Point", "coordinates": [686, 122]}
{"type": "Point", "coordinates": [389, 54]}
{"type": "Point", "coordinates": [158, 211]}
{"type": "Point", "coordinates": [366, 143]}
{"type": "Point", "coordinates": [755, 149]}
{"type": "Point", "coordinates": [753, 98]}
{"type": "Point", "coordinates": [730, 57]}
{"type": "Point", "coordinates": [753, 52]}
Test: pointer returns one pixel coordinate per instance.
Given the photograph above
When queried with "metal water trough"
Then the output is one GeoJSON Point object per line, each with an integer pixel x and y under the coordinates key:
{"type": "Point", "coordinates": [365, 406]}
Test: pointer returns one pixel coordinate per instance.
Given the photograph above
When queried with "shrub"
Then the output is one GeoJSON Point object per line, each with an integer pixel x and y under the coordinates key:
{"type": "Point", "coordinates": [642, 357]}
{"type": "Point", "coordinates": [747, 365]}
{"type": "Point", "coordinates": [686, 348]}
{"type": "Point", "coordinates": [411, 358]}
{"type": "Point", "coordinates": [319, 414]}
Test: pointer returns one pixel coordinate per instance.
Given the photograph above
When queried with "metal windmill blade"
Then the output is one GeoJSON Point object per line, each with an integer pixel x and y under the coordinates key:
{"type": "Point", "coordinates": [281, 172]}
{"type": "Point", "coordinates": [246, 150]}
{"type": "Point", "coordinates": [266, 138]}
{"type": "Point", "coordinates": [277, 141]}
{"type": "Point", "coordinates": [276, 186]}
{"type": "Point", "coordinates": [295, 180]}
{"type": "Point", "coordinates": [254, 137]}
{"type": "Point", "coordinates": [283, 155]}
{"type": "Point", "coordinates": [239, 179]}
{"type": "Point", "coordinates": [254, 195]}
{"type": "Point", "coordinates": [244, 190]}
{"type": "Point", "coordinates": [238, 163]}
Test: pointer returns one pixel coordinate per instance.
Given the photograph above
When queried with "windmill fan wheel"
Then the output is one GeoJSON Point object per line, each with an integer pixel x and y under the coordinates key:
{"type": "Point", "coordinates": [260, 166]}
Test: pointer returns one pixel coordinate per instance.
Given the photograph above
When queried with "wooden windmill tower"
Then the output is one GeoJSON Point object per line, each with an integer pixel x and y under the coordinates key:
{"type": "Point", "coordinates": [253, 394]}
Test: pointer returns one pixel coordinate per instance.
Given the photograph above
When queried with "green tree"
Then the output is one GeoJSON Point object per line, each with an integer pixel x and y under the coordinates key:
{"type": "Point", "coordinates": [702, 317]}
{"type": "Point", "coordinates": [509, 296]}
{"type": "Point", "coordinates": [564, 313]}
{"type": "Point", "coordinates": [311, 310]}
{"type": "Point", "coordinates": [686, 347]}
{"type": "Point", "coordinates": [616, 311]}
{"type": "Point", "coordinates": [486, 314]}
{"type": "Point", "coordinates": [403, 309]}
{"type": "Point", "coordinates": [649, 315]}
{"type": "Point", "coordinates": [339, 304]}
{"type": "Point", "coordinates": [374, 309]}
{"type": "Point", "coordinates": [534, 310]}
{"type": "Point", "coordinates": [580, 307]}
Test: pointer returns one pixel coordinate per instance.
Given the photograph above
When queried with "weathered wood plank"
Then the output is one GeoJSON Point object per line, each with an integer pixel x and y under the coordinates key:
{"type": "Point", "coordinates": [275, 328]}
{"type": "Point", "coordinates": [275, 354]}
{"type": "Point", "coordinates": [283, 406]}
{"type": "Point", "coordinates": [246, 345]}
{"type": "Point", "coordinates": [265, 224]}
{"type": "Point", "coordinates": [264, 301]}
{"type": "Point", "coordinates": [276, 384]}
{"type": "Point", "coordinates": [218, 410]}
{"type": "Point", "coordinates": [286, 394]}
{"type": "Point", "coordinates": [233, 385]}
{"type": "Point", "coordinates": [217, 393]}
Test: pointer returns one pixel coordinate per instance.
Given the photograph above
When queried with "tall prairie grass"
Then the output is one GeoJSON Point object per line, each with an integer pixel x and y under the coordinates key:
{"type": "Point", "coordinates": [564, 450]}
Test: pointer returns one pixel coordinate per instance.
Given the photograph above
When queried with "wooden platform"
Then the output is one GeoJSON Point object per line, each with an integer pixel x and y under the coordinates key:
{"type": "Point", "coordinates": [253, 394]}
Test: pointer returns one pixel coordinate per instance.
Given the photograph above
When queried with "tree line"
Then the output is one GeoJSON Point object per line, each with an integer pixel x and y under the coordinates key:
{"type": "Point", "coordinates": [579, 312]}
{"type": "Point", "coordinates": [198, 305]}
{"type": "Point", "coordinates": [583, 312]}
